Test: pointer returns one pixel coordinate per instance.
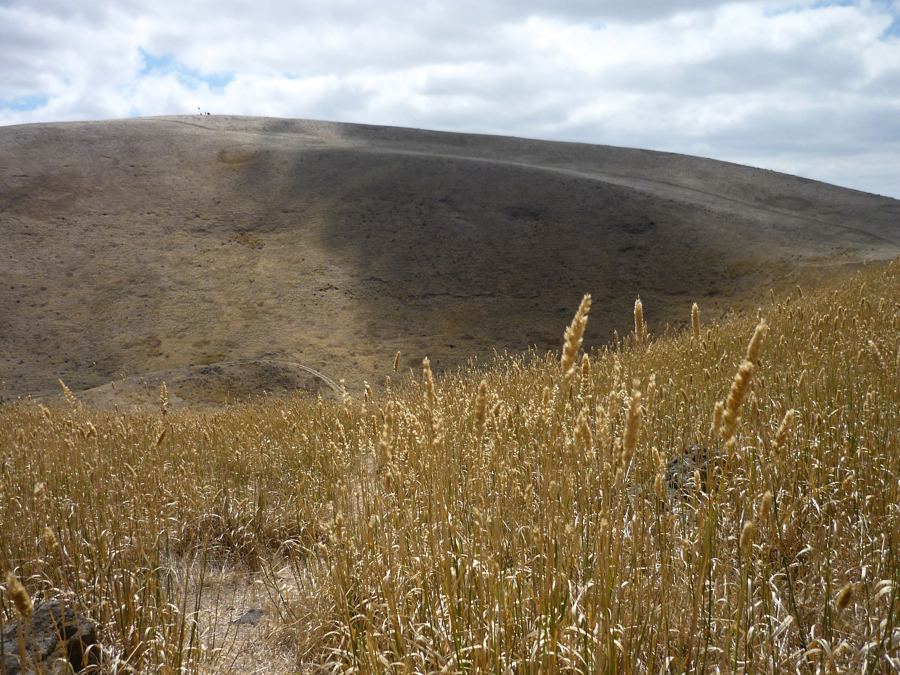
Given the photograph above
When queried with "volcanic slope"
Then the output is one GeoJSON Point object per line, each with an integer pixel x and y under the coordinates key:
{"type": "Point", "coordinates": [242, 247]}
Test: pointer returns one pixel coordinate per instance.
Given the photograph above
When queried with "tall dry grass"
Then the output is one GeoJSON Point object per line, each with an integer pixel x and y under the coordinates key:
{"type": "Point", "coordinates": [510, 519]}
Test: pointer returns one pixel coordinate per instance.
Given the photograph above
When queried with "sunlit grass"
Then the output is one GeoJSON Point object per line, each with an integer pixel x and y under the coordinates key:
{"type": "Point", "coordinates": [518, 518]}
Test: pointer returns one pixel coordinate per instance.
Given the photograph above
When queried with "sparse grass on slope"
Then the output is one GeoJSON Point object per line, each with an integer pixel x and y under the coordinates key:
{"type": "Point", "coordinates": [516, 519]}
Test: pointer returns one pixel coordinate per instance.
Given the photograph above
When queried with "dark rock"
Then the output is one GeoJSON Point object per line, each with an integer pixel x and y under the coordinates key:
{"type": "Point", "coordinates": [57, 640]}
{"type": "Point", "coordinates": [681, 471]}
{"type": "Point", "coordinates": [251, 617]}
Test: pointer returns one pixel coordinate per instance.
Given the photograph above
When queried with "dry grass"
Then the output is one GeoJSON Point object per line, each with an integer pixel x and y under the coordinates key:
{"type": "Point", "coordinates": [514, 519]}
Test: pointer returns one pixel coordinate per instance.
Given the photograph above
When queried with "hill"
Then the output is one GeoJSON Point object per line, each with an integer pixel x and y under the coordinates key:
{"type": "Point", "coordinates": [215, 252]}
{"type": "Point", "coordinates": [701, 502]}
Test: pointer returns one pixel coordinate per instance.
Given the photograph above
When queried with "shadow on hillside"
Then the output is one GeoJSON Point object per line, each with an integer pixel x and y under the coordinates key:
{"type": "Point", "coordinates": [493, 254]}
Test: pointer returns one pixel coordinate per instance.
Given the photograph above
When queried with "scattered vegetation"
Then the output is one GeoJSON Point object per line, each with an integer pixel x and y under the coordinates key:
{"type": "Point", "coordinates": [522, 518]}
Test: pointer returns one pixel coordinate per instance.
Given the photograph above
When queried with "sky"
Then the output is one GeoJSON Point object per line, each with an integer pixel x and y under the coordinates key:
{"type": "Point", "coordinates": [807, 88]}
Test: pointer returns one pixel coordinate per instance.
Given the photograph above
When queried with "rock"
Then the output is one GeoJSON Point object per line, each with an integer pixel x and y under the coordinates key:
{"type": "Point", "coordinates": [681, 471]}
{"type": "Point", "coordinates": [251, 617]}
{"type": "Point", "coordinates": [57, 640]}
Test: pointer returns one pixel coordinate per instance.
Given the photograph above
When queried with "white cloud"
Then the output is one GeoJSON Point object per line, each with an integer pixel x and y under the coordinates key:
{"type": "Point", "coordinates": [810, 87]}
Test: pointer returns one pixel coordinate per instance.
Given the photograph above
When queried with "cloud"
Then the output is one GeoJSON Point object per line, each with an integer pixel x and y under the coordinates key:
{"type": "Point", "coordinates": [813, 87]}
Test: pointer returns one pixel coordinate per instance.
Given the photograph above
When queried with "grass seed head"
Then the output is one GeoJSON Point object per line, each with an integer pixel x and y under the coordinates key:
{"type": "Point", "coordinates": [429, 383]}
{"type": "Point", "coordinates": [639, 331]}
{"type": "Point", "coordinates": [437, 426]}
{"type": "Point", "coordinates": [164, 399]}
{"type": "Point", "coordinates": [387, 435]}
{"type": "Point", "coordinates": [747, 537]}
{"type": "Point", "coordinates": [574, 336]}
{"type": "Point", "coordinates": [716, 425]}
{"type": "Point", "coordinates": [481, 408]}
{"type": "Point", "coordinates": [765, 507]}
{"type": "Point", "coordinates": [695, 322]}
{"type": "Point", "coordinates": [50, 537]}
{"type": "Point", "coordinates": [585, 376]}
{"type": "Point", "coordinates": [632, 424]}
{"type": "Point", "coordinates": [873, 348]}
{"type": "Point", "coordinates": [17, 593]}
{"type": "Point", "coordinates": [583, 429]}
{"type": "Point", "coordinates": [843, 599]}
{"type": "Point", "coordinates": [783, 430]}
{"type": "Point", "coordinates": [755, 345]}
{"type": "Point", "coordinates": [739, 388]}
{"type": "Point", "coordinates": [70, 397]}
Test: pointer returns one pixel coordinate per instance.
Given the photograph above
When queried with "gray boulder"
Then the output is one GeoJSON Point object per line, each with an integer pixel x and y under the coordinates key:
{"type": "Point", "coordinates": [57, 640]}
{"type": "Point", "coordinates": [682, 471]}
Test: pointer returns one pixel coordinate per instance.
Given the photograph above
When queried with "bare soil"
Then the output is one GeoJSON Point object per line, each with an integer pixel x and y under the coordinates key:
{"type": "Point", "coordinates": [227, 255]}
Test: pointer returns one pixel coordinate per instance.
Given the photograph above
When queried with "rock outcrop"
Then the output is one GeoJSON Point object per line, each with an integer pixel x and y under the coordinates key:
{"type": "Point", "coordinates": [57, 640]}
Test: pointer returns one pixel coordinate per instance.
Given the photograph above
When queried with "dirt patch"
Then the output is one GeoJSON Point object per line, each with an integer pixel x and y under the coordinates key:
{"type": "Point", "coordinates": [235, 157]}
{"type": "Point", "coordinates": [247, 239]}
{"type": "Point", "coordinates": [209, 387]}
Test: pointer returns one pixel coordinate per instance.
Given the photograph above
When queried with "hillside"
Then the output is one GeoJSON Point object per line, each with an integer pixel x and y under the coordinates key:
{"type": "Point", "coordinates": [240, 247]}
{"type": "Point", "coordinates": [722, 500]}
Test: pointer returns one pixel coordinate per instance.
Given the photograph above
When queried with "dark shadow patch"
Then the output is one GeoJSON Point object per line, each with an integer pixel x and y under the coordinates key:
{"type": "Point", "coordinates": [489, 249]}
{"type": "Point", "coordinates": [789, 203]}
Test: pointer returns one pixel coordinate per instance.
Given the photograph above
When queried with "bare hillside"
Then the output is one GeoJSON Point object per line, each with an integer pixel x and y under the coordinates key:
{"type": "Point", "coordinates": [237, 255]}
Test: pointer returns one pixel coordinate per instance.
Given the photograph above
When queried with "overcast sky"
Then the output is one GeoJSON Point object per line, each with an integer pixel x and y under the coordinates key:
{"type": "Point", "coordinates": [809, 88]}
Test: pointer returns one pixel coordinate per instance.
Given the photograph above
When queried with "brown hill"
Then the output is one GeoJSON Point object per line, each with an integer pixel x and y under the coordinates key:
{"type": "Point", "coordinates": [242, 247]}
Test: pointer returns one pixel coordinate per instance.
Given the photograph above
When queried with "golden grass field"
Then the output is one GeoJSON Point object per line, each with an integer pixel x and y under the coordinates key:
{"type": "Point", "coordinates": [515, 518]}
